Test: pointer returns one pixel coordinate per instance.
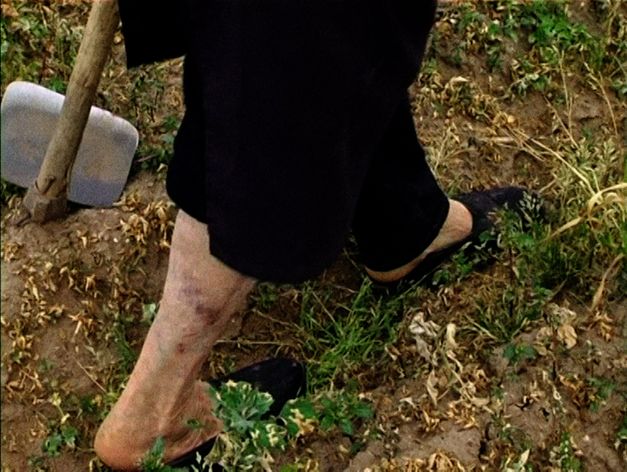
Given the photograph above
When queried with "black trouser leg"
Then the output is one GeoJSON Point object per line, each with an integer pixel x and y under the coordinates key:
{"type": "Point", "coordinates": [401, 207]}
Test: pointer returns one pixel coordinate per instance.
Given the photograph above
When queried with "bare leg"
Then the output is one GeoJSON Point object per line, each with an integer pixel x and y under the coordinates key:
{"type": "Point", "coordinates": [458, 225]}
{"type": "Point", "coordinates": [163, 392]}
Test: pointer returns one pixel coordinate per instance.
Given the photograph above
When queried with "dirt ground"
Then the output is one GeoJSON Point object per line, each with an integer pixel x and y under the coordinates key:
{"type": "Point", "coordinates": [63, 281]}
{"type": "Point", "coordinates": [77, 296]}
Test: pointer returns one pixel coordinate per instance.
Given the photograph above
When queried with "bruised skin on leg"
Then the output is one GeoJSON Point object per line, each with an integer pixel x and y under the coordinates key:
{"type": "Point", "coordinates": [163, 394]}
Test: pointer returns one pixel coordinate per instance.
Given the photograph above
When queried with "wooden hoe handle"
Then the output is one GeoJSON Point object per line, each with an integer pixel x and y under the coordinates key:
{"type": "Point", "coordinates": [48, 198]}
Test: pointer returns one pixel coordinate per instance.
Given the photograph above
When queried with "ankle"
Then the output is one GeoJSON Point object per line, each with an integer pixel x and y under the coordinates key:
{"type": "Point", "coordinates": [456, 227]}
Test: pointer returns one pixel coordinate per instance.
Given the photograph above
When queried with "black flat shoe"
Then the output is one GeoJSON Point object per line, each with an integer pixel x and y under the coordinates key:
{"type": "Point", "coordinates": [481, 204]}
{"type": "Point", "coordinates": [284, 379]}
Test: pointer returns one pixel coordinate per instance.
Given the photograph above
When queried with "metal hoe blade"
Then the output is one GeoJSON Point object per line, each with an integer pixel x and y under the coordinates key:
{"type": "Point", "coordinates": [29, 114]}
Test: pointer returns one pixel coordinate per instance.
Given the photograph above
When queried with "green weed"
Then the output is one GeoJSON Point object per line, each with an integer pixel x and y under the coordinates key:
{"type": "Point", "coordinates": [553, 41]}
{"type": "Point", "coordinates": [126, 354]}
{"type": "Point", "coordinates": [582, 245]}
{"type": "Point", "coordinates": [552, 33]}
{"type": "Point", "coordinates": [510, 314]}
{"type": "Point", "coordinates": [506, 310]}
{"type": "Point", "coordinates": [31, 29]}
{"type": "Point", "coordinates": [539, 48]}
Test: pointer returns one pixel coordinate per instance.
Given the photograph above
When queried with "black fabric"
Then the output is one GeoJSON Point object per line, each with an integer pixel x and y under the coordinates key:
{"type": "Point", "coordinates": [401, 208]}
{"type": "Point", "coordinates": [288, 104]}
{"type": "Point", "coordinates": [154, 30]}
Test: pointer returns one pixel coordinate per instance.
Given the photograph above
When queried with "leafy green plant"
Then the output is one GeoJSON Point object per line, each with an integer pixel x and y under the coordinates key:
{"type": "Point", "coordinates": [516, 353]}
{"type": "Point", "coordinates": [64, 437]}
{"type": "Point", "coordinates": [563, 455]}
{"type": "Point", "coordinates": [601, 389]}
{"type": "Point", "coordinates": [251, 435]}
{"type": "Point", "coordinates": [340, 410]}
{"type": "Point", "coordinates": [554, 40]}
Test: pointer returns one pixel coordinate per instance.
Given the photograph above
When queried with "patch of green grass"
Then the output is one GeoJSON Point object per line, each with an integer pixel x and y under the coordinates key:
{"type": "Point", "coordinates": [265, 296]}
{"type": "Point", "coordinates": [506, 317]}
{"type": "Point", "coordinates": [543, 263]}
{"type": "Point", "coordinates": [579, 243]}
{"type": "Point", "coordinates": [342, 336]}
{"type": "Point", "coordinates": [586, 233]}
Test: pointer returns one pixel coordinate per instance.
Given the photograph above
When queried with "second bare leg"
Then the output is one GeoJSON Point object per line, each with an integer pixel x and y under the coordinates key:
{"type": "Point", "coordinates": [163, 394]}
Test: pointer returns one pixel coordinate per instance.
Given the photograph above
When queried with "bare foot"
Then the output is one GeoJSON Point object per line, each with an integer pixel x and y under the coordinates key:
{"type": "Point", "coordinates": [130, 431]}
{"type": "Point", "coordinates": [457, 226]}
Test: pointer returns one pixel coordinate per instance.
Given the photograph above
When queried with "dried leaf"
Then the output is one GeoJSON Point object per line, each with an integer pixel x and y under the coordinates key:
{"type": "Point", "coordinates": [566, 333]}
{"type": "Point", "coordinates": [432, 381]}
{"type": "Point", "coordinates": [423, 331]}
{"type": "Point", "coordinates": [450, 336]}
